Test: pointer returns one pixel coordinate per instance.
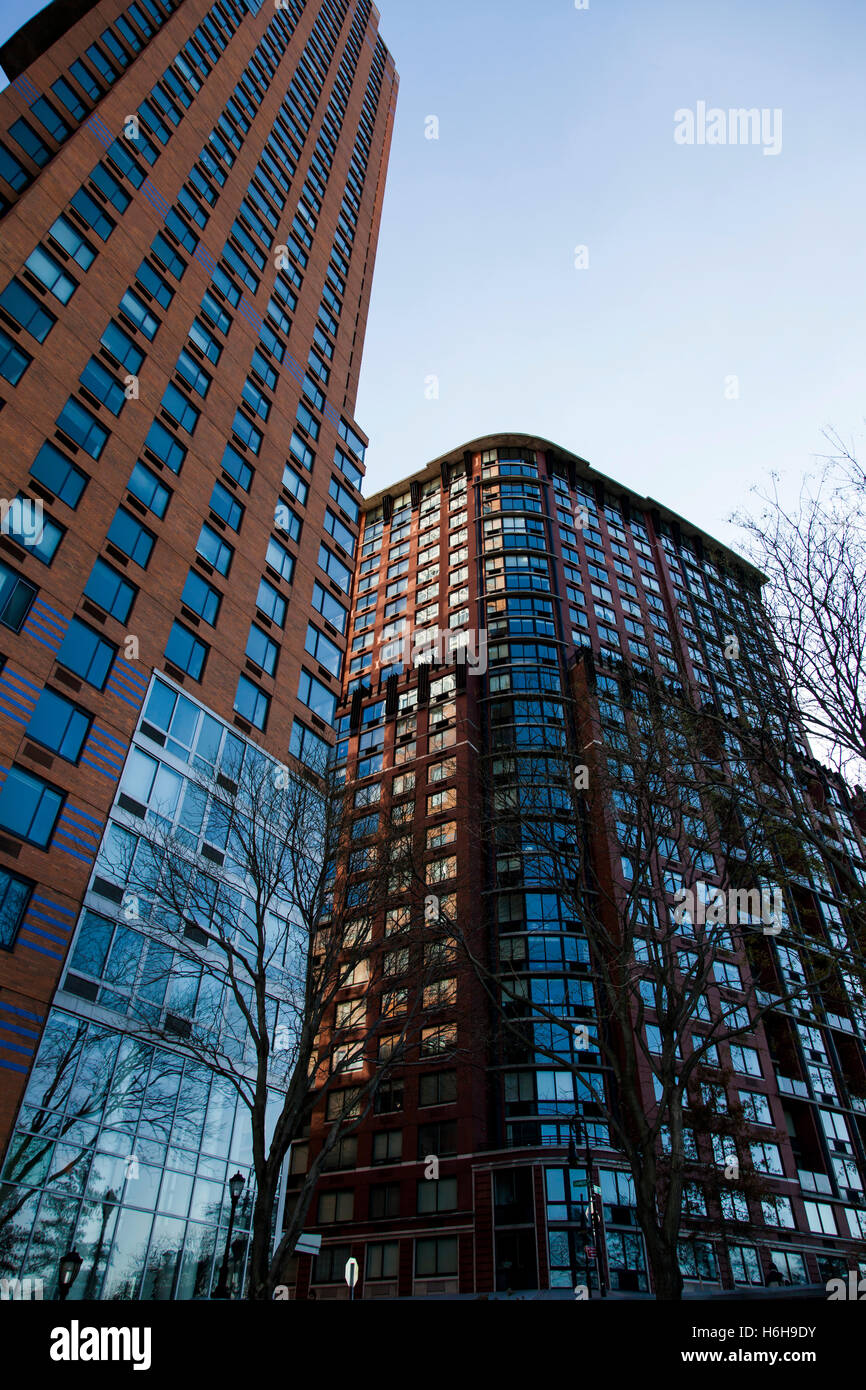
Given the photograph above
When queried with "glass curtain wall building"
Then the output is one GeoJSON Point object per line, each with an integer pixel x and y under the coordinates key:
{"type": "Point", "coordinates": [190, 194]}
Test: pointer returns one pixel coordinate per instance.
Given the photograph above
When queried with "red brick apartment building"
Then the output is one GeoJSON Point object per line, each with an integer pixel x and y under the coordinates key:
{"type": "Point", "coordinates": [573, 581]}
{"type": "Point", "coordinates": [190, 198]}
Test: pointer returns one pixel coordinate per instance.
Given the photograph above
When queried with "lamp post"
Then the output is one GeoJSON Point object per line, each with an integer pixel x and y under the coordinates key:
{"type": "Point", "coordinates": [70, 1263]}
{"type": "Point", "coordinates": [107, 1207]}
{"type": "Point", "coordinates": [596, 1217]}
{"type": "Point", "coordinates": [236, 1187]}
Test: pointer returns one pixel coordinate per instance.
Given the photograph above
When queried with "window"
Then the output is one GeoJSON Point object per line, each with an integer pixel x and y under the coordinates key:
{"type": "Point", "coordinates": [821, 1218]}
{"type": "Point", "coordinates": [131, 537]}
{"type": "Point", "coordinates": [29, 807]}
{"type": "Point", "coordinates": [214, 549]}
{"type": "Point", "coordinates": [14, 896]}
{"type": "Point", "coordinates": [58, 724]}
{"type": "Point", "coordinates": [77, 248]}
{"type": "Point", "coordinates": [317, 697]}
{"type": "Point", "coordinates": [225, 505]}
{"type": "Point", "coordinates": [251, 702]}
{"type": "Point", "coordinates": [185, 650]}
{"type": "Point", "coordinates": [192, 373]}
{"type": "Point", "coordinates": [294, 483]}
{"type": "Point", "coordinates": [437, 1195]}
{"type": "Point", "coordinates": [98, 380]}
{"type": "Point", "coordinates": [384, 1200]}
{"type": "Point", "coordinates": [69, 97]}
{"type": "Point", "coordinates": [14, 361]}
{"type": "Point", "coordinates": [93, 213]}
{"type": "Point", "coordinates": [51, 274]}
{"type": "Point", "coordinates": [271, 603]}
{"type": "Point", "coordinates": [335, 1206]}
{"type": "Point", "coordinates": [145, 485]}
{"type": "Point", "coordinates": [138, 314]}
{"type": "Point", "coordinates": [201, 597]}
{"type": "Point", "coordinates": [237, 467]}
{"type": "Point", "coordinates": [16, 596]}
{"type": "Point", "coordinates": [327, 605]}
{"type": "Point", "coordinates": [247, 432]}
{"type": "Point", "coordinates": [55, 471]}
{"type": "Point", "coordinates": [27, 310]}
{"type": "Point", "coordinates": [437, 1088]}
{"type": "Point", "coordinates": [40, 539]}
{"type": "Point", "coordinates": [340, 573]}
{"type": "Point", "coordinates": [323, 650]}
{"type": "Point", "coordinates": [86, 653]}
{"type": "Point", "coordinates": [436, 1257]}
{"type": "Point", "coordinates": [82, 427]}
{"type": "Point", "coordinates": [121, 346]}
{"type": "Point", "coordinates": [309, 747]}
{"type": "Point", "coordinates": [330, 1264]}
{"type": "Point", "coordinates": [179, 408]}
{"type": "Point", "coordinates": [262, 649]}
{"type": "Point", "coordinates": [383, 1259]}
{"type": "Point", "coordinates": [340, 532]}
{"type": "Point", "coordinates": [109, 590]}
{"type": "Point", "coordinates": [280, 560]}
{"type": "Point", "coordinates": [32, 144]}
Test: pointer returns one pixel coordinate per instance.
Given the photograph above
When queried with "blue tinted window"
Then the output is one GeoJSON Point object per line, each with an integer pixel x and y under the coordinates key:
{"type": "Point", "coordinates": [82, 427]}
{"type": "Point", "coordinates": [14, 361]}
{"type": "Point", "coordinates": [26, 309]}
{"type": "Point", "coordinates": [55, 471]}
{"type": "Point", "coordinates": [58, 724]}
{"type": "Point", "coordinates": [131, 537]}
{"type": "Point", "coordinates": [14, 896]}
{"type": "Point", "coordinates": [251, 703]}
{"type": "Point", "coordinates": [185, 650]}
{"type": "Point", "coordinates": [110, 590]}
{"type": "Point", "coordinates": [29, 807]}
{"type": "Point", "coordinates": [201, 597]}
{"type": "Point", "coordinates": [86, 653]}
{"type": "Point", "coordinates": [145, 485]}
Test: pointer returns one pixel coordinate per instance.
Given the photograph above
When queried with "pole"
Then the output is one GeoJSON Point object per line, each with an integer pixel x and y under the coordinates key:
{"type": "Point", "coordinates": [596, 1218]}
{"type": "Point", "coordinates": [222, 1289]}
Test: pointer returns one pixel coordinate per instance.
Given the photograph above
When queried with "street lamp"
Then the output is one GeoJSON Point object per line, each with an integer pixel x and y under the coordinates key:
{"type": "Point", "coordinates": [236, 1187]}
{"type": "Point", "coordinates": [108, 1202]}
{"type": "Point", "coordinates": [596, 1225]}
{"type": "Point", "coordinates": [70, 1263]}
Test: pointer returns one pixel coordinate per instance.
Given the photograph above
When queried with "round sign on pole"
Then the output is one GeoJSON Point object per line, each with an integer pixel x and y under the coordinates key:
{"type": "Point", "coordinates": [351, 1272]}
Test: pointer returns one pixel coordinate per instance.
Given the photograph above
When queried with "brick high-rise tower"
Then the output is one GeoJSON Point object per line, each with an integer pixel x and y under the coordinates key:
{"type": "Point", "coordinates": [190, 197]}
{"type": "Point", "coordinates": [590, 597]}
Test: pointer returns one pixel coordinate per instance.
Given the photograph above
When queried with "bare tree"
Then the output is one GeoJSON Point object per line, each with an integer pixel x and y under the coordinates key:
{"type": "Point", "coordinates": [813, 552]}
{"type": "Point", "coordinates": [262, 961]}
{"type": "Point", "coordinates": [647, 773]}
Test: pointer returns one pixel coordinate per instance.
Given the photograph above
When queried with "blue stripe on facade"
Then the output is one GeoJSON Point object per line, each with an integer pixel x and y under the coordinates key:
{"type": "Point", "coordinates": [13, 1066]}
{"type": "Point", "coordinates": [43, 950]}
{"type": "Point", "coordinates": [21, 1013]}
{"type": "Point", "coordinates": [85, 858]}
{"type": "Point", "coordinates": [69, 912]}
{"type": "Point", "coordinates": [19, 1032]}
{"type": "Point", "coordinates": [110, 773]}
{"type": "Point", "coordinates": [11, 674]}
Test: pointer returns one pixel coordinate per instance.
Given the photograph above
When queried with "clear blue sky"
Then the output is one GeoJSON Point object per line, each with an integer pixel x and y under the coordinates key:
{"type": "Point", "coordinates": [556, 129]}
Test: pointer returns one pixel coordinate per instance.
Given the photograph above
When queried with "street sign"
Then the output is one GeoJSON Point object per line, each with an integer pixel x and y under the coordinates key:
{"type": "Point", "coordinates": [589, 1251]}
{"type": "Point", "coordinates": [308, 1244]}
{"type": "Point", "coordinates": [351, 1272]}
